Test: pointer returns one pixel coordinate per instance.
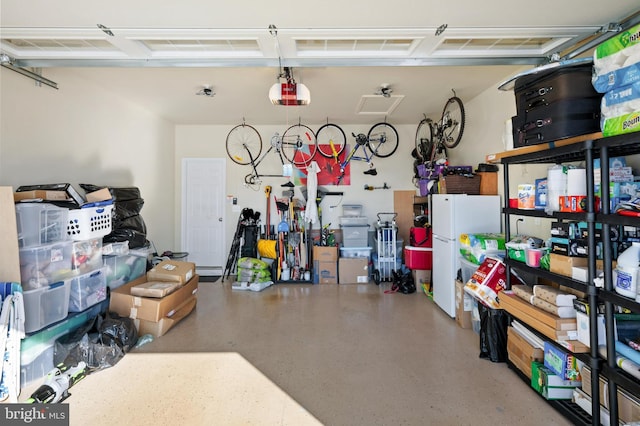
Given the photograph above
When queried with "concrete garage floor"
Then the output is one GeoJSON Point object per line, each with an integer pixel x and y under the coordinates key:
{"type": "Point", "coordinates": [300, 354]}
{"type": "Point", "coordinates": [353, 355]}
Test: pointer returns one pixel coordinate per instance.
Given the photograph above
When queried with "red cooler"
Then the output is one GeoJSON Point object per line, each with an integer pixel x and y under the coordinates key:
{"type": "Point", "coordinates": [418, 257]}
{"type": "Point", "coordinates": [420, 237]}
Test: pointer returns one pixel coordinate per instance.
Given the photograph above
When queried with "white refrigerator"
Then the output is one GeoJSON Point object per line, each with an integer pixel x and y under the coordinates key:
{"type": "Point", "coordinates": [452, 215]}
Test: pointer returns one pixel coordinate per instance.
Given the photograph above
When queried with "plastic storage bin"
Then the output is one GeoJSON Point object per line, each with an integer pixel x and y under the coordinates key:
{"type": "Point", "coordinates": [353, 220]}
{"type": "Point", "coordinates": [46, 305]}
{"type": "Point", "coordinates": [355, 236]}
{"type": "Point", "coordinates": [37, 351]}
{"type": "Point", "coordinates": [86, 256]}
{"type": "Point", "coordinates": [42, 265]}
{"type": "Point", "coordinates": [35, 363]}
{"type": "Point", "coordinates": [467, 269]}
{"type": "Point", "coordinates": [352, 209]}
{"type": "Point", "coordinates": [40, 223]}
{"type": "Point", "coordinates": [122, 269]}
{"type": "Point", "coordinates": [87, 290]}
{"type": "Point", "coordinates": [356, 252]}
{"type": "Point", "coordinates": [90, 222]}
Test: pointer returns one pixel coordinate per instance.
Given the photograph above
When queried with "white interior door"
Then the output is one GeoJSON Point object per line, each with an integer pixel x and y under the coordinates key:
{"type": "Point", "coordinates": [203, 185]}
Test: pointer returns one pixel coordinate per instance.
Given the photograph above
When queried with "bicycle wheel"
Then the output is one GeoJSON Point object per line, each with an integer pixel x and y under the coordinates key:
{"type": "Point", "coordinates": [382, 140]}
{"type": "Point", "coordinates": [242, 140]}
{"type": "Point", "coordinates": [331, 140]}
{"type": "Point", "coordinates": [299, 145]}
{"type": "Point", "coordinates": [424, 138]}
{"type": "Point", "coordinates": [453, 121]}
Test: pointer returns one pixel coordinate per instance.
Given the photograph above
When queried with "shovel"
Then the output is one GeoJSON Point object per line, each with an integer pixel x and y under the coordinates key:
{"type": "Point", "coordinates": [283, 226]}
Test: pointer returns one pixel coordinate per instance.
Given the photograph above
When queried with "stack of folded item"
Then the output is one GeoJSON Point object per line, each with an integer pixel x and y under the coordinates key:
{"type": "Point", "coordinates": [616, 73]}
{"type": "Point", "coordinates": [554, 301]}
{"type": "Point", "coordinates": [544, 308]}
{"type": "Point", "coordinates": [253, 274]}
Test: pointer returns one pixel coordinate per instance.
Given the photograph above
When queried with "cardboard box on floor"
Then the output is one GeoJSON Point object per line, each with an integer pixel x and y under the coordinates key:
{"type": "Point", "coordinates": [325, 272]}
{"type": "Point", "coordinates": [353, 270]}
{"type": "Point", "coordinates": [159, 328]}
{"type": "Point", "coordinates": [146, 308]}
{"type": "Point", "coordinates": [172, 270]}
{"type": "Point", "coordinates": [464, 306]}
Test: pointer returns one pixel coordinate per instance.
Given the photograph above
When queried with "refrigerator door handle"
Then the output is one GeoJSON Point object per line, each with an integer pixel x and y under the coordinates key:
{"type": "Point", "coordinates": [439, 238]}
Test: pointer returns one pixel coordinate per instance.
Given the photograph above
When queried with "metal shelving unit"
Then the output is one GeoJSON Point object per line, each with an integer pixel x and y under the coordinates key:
{"type": "Point", "coordinates": [587, 149]}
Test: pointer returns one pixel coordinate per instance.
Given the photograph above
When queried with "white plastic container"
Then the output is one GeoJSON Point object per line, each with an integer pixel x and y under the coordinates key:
{"type": "Point", "coordinates": [40, 223]}
{"type": "Point", "coordinates": [627, 271]}
{"type": "Point", "coordinates": [45, 305]}
{"type": "Point", "coordinates": [87, 290]}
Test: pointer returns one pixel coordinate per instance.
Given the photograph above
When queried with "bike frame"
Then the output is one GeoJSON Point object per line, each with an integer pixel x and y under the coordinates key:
{"type": "Point", "coordinates": [256, 162]}
{"type": "Point", "coordinates": [360, 143]}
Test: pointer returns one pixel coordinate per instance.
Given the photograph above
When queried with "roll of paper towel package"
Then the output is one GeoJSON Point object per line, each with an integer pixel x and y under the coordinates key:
{"type": "Point", "coordinates": [576, 182]}
{"type": "Point", "coordinates": [616, 62]}
{"type": "Point", "coordinates": [556, 187]}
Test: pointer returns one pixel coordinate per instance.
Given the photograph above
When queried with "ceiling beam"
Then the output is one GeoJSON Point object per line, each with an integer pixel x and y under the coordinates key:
{"type": "Point", "coordinates": [262, 62]}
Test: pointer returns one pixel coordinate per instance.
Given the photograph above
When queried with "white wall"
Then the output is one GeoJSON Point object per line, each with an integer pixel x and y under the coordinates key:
{"type": "Point", "coordinates": [81, 133]}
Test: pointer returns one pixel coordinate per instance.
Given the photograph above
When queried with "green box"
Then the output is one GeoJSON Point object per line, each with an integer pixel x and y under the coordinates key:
{"type": "Point", "coordinates": [550, 385]}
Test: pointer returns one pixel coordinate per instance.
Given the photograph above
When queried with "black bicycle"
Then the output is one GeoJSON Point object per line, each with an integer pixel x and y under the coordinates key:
{"type": "Point", "coordinates": [434, 138]}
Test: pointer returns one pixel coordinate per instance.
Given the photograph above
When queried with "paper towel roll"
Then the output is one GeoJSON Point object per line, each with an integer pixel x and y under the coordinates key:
{"type": "Point", "coordinates": [556, 187]}
{"type": "Point", "coordinates": [577, 182]}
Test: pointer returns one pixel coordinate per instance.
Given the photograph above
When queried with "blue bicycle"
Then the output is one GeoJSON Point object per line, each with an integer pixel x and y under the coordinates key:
{"type": "Point", "coordinates": [381, 141]}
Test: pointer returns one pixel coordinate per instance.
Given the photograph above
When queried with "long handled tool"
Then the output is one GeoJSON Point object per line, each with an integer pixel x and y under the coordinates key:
{"type": "Point", "coordinates": [267, 193]}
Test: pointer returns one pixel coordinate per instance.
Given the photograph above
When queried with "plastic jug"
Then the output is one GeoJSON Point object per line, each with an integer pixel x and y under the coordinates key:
{"type": "Point", "coordinates": [627, 271]}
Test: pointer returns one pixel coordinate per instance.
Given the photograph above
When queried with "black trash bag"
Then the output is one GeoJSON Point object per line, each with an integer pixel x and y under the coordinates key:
{"type": "Point", "coordinates": [403, 283]}
{"type": "Point", "coordinates": [135, 238]}
{"type": "Point", "coordinates": [121, 330]}
{"type": "Point", "coordinates": [99, 343]}
{"type": "Point", "coordinates": [126, 209]}
{"type": "Point", "coordinates": [493, 333]}
{"type": "Point", "coordinates": [133, 222]}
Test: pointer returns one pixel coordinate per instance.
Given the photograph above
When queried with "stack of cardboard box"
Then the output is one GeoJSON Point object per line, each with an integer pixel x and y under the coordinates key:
{"type": "Point", "coordinates": [159, 300]}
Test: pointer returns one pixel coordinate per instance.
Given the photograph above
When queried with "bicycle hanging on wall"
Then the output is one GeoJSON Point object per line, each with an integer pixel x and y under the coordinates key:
{"type": "Point", "coordinates": [433, 139]}
{"type": "Point", "coordinates": [244, 147]}
{"type": "Point", "coordinates": [381, 141]}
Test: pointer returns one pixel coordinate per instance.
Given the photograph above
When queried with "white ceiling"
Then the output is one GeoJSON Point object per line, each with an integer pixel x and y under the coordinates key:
{"type": "Point", "coordinates": [341, 50]}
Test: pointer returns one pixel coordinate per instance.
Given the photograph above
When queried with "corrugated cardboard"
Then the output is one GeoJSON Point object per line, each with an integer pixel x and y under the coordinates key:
{"type": "Point", "coordinates": [521, 353]}
{"type": "Point", "coordinates": [325, 272]}
{"type": "Point", "coordinates": [325, 254]}
{"type": "Point", "coordinates": [99, 195]}
{"type": "Point", "coordinates": [172, 270]}
{"type": "Point", "coordinates": [353, 270]}
{"type": "Point", "coordinates": [159, 328]}
{"type": "Point", "coordinates": [41, 195]}
{"type": "Point", "coordinates": [628, 405]}
{"type": "Point", "coordinates": [9, 251]}
{"type": "Point", "coordinates": [146, 308]}
{"type": "Point", "coordinates": [156, 289]}
{"type": "Point", "coordinates": [464, 305]}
